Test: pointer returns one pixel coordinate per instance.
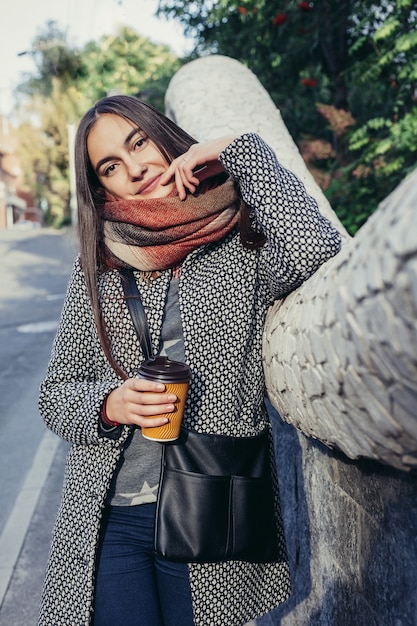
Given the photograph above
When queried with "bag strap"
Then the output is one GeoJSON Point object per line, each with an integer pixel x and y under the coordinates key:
{"type": "Point", "coordinates": [137, 311]}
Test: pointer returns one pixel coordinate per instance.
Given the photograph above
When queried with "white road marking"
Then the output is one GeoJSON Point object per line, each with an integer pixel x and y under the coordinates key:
{"type": "Point", "coordinates": [38, 327]}
{"type": "Point", "coordinates": [17, 525]}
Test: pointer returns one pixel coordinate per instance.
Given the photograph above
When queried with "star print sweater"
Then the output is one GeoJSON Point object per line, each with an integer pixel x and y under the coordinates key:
{"type": "Point", "coordinates": [137, 477]}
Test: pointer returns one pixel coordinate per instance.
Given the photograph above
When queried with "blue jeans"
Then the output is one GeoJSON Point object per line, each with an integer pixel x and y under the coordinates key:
{"type": "Point", "coordinates": [135, 587]}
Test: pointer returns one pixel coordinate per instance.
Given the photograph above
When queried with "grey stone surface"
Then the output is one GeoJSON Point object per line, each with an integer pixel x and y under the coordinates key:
{"type": "Point", "coordinates": [356, 317]}
{"type": "Point", "coordinates": [361, 321]}
{"type": "Point", "coordinates": [351, 530]}
{"type": "Point", "coordinates": [351, 524]}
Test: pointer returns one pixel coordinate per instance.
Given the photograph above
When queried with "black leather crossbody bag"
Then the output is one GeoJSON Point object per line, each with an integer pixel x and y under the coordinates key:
{"type": "Point", "coordinates": [215, 499]}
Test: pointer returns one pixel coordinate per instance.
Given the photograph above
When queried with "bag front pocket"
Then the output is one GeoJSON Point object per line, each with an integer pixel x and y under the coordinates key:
{"type": "Point", "coordinates": [214, 518]}
{"type": "Point", "coordinates": [192, 515]}
{"type": "Point", "coordinates": [253, 531]}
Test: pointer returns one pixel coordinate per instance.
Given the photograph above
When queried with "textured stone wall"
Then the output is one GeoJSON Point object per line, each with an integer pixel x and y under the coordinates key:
{"type": "Point", "coordinates": [340, 352]}
{"type": "Point", "coordinates": [340, 362]}
{"type": "Point", "coordinates": [351, 530]}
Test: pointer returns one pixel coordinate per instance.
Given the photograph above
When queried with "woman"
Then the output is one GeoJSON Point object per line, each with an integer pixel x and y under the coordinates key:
{"type": "Point", "coordinates": [214, 232]}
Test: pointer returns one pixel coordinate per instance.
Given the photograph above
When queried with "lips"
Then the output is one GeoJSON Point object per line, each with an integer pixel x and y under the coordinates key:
{"type": "Point", "coordinates": [149, 186]}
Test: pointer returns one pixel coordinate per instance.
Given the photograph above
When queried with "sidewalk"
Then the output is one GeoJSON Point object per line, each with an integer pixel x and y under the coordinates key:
{"type": "Point", "coordinates": [21, 598]}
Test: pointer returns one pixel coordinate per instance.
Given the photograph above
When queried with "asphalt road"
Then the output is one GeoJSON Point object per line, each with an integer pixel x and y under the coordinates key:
{"type": "Point", "coordinates": [35, 266]}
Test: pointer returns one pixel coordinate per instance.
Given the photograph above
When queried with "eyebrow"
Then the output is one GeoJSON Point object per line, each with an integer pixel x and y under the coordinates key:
{"type": "Point", "coordinates": [126, 142]}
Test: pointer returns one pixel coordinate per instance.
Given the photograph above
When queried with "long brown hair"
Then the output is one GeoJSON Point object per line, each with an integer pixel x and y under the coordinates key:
{"type": "Point", "coordinates": [171, 141]}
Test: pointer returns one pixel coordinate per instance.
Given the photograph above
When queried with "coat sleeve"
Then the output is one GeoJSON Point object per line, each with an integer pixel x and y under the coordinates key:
{"type": "Point", "coordinates": [78, 377]}
{"type": "Point", "coordinates": [299, 238]}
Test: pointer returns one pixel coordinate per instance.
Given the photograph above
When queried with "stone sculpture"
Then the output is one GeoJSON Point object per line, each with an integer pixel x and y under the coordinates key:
{"type": "Point", "coordinates": [340, 352]}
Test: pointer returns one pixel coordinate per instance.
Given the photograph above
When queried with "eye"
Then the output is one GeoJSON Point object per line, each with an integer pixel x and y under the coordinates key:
{"type": "Point", "coordinates": [139, 142]}
{"type": "Point", "coordinates": [108, 171]}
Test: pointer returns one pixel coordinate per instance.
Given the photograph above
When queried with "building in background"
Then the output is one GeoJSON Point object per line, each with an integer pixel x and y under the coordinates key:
{"type": "Point", "coordinates": [17, 208]}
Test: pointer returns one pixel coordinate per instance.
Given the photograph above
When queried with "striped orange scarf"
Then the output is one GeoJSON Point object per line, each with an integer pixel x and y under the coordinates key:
{"type": "Point", "coordinates": [159, 233]}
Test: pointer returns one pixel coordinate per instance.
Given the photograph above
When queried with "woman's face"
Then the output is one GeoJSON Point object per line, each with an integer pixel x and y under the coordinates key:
{"type": "Point", "coordinates": [127, 163]}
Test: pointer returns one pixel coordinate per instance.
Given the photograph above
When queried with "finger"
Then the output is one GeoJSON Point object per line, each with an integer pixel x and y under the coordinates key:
{"type": "Point", "coordinates": [146, 399]}
{"type": "Point", "coordinates": [151, 422]}
{"type": "Point", "coordinates": [167, 177]}
{"type": "Point", "coordinates": [182, 183]}
{"type": "Point", "coordinates": [142, 384]}
{"type": "Point", "coordinates": [182, 170]}
{"type": "Point", "coordinates": [152, 415]}
{"type": "Point", "coordinates": [151, 410]}
{"type": "Point", "coordinates": [172, 170]}
{"type": "Point", "coordinates": [187, 176]}
{"type": "Point", "coordinates": [179, 183]}
{"type": "Point", "coordinates": [186, 164]}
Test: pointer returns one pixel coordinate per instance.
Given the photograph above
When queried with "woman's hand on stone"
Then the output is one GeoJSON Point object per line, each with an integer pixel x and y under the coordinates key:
{"type": "Point", "coordinates": [201, 161]}
{"type": "Point", "coordinates": [136, 400]}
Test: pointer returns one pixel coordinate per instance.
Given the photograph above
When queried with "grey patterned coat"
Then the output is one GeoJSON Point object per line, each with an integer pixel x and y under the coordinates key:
{"type": "Point", "coordinates": [225, 292]}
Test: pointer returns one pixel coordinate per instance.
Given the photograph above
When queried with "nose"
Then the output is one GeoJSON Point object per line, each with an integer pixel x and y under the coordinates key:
{"type": "Point", "coordinates": [135, 170]}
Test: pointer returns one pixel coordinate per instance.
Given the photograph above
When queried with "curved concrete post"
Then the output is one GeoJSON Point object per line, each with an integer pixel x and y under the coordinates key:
{"type": "Point", "coordinates": [340, 353]}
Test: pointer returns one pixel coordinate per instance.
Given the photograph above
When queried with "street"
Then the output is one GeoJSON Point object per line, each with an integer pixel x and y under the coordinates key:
{"type": "Point", "coordinates": [35, 270]}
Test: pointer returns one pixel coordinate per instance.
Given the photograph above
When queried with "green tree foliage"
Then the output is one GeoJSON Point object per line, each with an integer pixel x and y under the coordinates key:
{"type": "Point", "coordinates": [296, 49]}
{"type": "Point", "coordinates": [53, 59]}
{"type": "Point", "coordinates": [66, 83]}
{"type": "Point", "coordinates": [43, 140]}
{"type": "Point", "coordinates": [127, 63]}
{"type": "Point", "coordinates": [343, 74]}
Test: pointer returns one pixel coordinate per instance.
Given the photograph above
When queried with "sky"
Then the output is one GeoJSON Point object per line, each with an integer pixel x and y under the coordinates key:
{"type": "Point", "coordinates": [82, 21]}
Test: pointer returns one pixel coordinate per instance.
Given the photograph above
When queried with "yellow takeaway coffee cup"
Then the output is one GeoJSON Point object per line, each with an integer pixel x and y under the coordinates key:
{"type": "Point", "coordinates": [176, 377]}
